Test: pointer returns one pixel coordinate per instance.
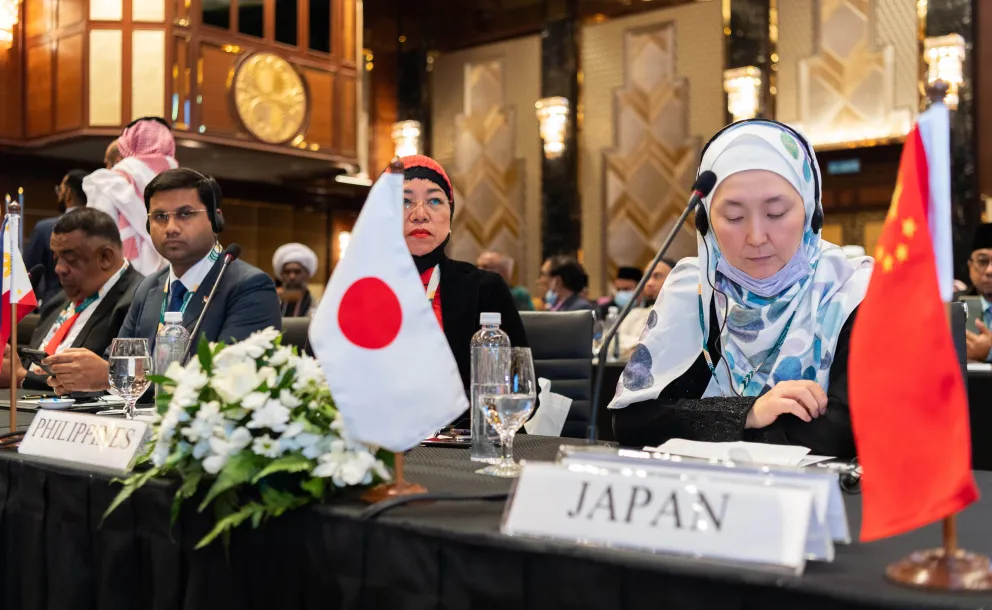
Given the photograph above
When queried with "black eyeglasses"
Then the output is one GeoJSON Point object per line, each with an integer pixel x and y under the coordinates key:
{"type": "Point", "coordinates": [981, 261]}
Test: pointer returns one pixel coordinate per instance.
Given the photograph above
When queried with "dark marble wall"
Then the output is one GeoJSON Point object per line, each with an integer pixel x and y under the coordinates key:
{"type": "Point", "coordinates": [748, 44]}
{"type": "Point", "coordinates": [413, 94]}
{"type": "Point", "coordinates": [956, 17]}
{"type": "Point", "coordinates": [561, 212]}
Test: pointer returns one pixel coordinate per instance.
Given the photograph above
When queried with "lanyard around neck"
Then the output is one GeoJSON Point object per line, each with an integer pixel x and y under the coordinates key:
{"type": "Point", "coordinates": [433, 283]}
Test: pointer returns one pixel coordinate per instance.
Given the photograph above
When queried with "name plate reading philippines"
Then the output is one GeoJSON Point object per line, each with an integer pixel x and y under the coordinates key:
{"type": "Point", "coordinates": [765, 526]}
{"type": "Point", "coordinates": [88, 439]}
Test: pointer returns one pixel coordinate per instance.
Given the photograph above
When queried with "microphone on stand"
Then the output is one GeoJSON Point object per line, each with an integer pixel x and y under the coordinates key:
{"type": "Point", "coordinates": [704, 184]}
{"type": "Point", "coordinates": [230, 254]}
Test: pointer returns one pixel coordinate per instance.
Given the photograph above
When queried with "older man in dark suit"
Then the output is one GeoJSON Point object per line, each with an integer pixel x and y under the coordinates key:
{"type": "Point", "coordinates": [97, 287]}
{"type": "Point", "coordinates": [184, 219]}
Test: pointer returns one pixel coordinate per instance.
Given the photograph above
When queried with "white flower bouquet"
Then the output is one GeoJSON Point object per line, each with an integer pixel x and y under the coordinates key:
{"type": "Point", "coordinates": [255, 420]}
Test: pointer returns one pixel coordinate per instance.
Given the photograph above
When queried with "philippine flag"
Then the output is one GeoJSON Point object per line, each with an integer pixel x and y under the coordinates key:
{"type": "Point", "coordinates": [387, 362]}
{"type": "Point", "coordinates": [16, 285]}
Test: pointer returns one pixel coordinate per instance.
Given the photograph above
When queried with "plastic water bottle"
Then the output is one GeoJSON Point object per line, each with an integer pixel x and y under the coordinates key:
{"type": "Point", "coordinates": [170, 343]}
{"type": "Point", "coordinates": [488, 379]}
{"type": "Point", "coordinates": [612, 316]}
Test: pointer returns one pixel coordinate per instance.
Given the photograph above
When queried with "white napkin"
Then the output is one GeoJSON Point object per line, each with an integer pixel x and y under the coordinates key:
{"type": "Point", "coordinates": [550, 418]}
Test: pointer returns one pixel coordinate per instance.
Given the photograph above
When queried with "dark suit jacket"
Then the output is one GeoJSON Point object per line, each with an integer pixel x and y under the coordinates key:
{"type": "Point", "coordinates": [245, 302]}
{"type": "Point", "coordinates": [99, 329]}
{"type": "Point", "coordinates": [575, 303]}
{"type": "Point", "coordinates": [39, 250]}
{"type": "Point", "coordinates": [465, 292]}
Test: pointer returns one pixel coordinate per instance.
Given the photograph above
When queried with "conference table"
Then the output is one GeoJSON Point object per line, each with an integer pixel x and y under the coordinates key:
{"type": "Point", "coordinates": [56, 553]}
{"type": "Point", "coordinates": [979, 405]}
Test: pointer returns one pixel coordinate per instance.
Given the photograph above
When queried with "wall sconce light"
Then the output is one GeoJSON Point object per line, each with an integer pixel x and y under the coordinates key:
{"type": "Point", "coordinates": [743, 87]}
{"type": "Point", "coordinates": [552, 116]}
{"type": "Point", "coordinates": [945, 57]}
{"type": "Point", "coordinates": [406, 138]}
{"type": "Point", "coordinates": [344, 238]}
{"type": "Point", "coordinates": [9, 10]}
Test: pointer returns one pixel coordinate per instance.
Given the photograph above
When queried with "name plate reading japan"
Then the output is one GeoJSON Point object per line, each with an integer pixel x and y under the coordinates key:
{"type": "Point", "coordinates": [722, 520]}
{"type": "Point", "coordinates": [88, 439]}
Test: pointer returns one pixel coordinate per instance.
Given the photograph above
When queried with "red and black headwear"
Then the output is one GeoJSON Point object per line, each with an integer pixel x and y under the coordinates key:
{"type": "Point", "coordinates": [422, 166]}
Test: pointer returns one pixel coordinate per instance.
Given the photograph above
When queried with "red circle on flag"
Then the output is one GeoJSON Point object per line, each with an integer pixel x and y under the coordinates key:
{"type": "Point", "coordinates": [370, 314]}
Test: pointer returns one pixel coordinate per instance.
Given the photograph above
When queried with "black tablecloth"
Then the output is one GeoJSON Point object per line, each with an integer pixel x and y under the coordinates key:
{"type": "Point", "coordinates": [57, 555]}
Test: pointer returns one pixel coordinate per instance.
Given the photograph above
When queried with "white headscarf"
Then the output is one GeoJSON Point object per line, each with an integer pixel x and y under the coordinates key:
{"type": "Point", "coordinates": [295, 253]}
{"type": "Point", "coordinates": [789, 336]}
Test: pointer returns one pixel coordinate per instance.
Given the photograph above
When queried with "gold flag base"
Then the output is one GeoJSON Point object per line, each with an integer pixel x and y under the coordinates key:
{"type": "Point", "coordinates": [399, 487]}
{"type": "Point", "coordinates": [935, 569]}
{"type": "Point", "coordinates": [946, 569]}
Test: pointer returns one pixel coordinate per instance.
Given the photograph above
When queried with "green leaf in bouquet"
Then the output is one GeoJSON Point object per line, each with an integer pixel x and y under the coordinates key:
{"type": "Point", "coordinates": [191, 481]}
{"type": "Point", "coordinates": [160, 379]}
{"type": "Point", "coordinates": [204, 354]}
{"type": "Point", "coordinates": [315, 487]}
{"type": "Point", "coordinates": [231, 521]}
{"type": "Point", "coordinates": [277, 502]}
{"type": "Point", "coordinates": [131, 485]}
{"type": "Point", "coordinates": [293, 462]}
{"type": "Point", "coordinates": [240, 468]}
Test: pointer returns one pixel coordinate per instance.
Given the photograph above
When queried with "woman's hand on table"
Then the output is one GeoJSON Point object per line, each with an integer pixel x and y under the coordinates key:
{"type": "Point", "coordinates": [803, 398]}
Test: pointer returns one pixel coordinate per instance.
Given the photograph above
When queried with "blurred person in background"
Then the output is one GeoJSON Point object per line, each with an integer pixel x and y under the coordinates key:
{"type": "Point", "coordinates": [38, 249]}
{"type": "Point", "coordinates": [623, 290]}
{"type": "Point", "coordinates": [295, 265]}
{"type": "Point", "coordinates": [567, 281]}
{"type": "Point", "coordinates": [633, 325]}
{"type": "Point", "coordinates": [503, 265]}
{"type": "Point", "coordinates": [147, 149]}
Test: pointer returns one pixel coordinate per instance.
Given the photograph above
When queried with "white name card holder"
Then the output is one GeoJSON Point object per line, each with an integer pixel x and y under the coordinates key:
{"type": "Point", "coordinates": [763, 526]}
{"type": "Point", "coordinates": [88, 439]}
{"type": "Point", "coordinates": [825, 483]}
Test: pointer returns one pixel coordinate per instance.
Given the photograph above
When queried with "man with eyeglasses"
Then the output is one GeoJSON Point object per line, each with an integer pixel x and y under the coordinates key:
{"type": "Point", "coordinates": [979, 301]}
{"type": "Point", "coordinates": [184, 218]}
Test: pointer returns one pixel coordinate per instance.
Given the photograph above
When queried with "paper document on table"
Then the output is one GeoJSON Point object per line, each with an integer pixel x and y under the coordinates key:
{"type": "Point", "coordinates": [809, 460]}
{"type": "Point", "coordinates": [974, 367]}
{"type": "Point", "coordinates": [549, 420]}
{"type": "Point", "coordinates": [738, 451]}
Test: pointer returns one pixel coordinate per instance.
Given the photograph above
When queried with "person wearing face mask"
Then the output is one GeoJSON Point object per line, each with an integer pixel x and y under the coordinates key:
{"type": "Point", "coordinates": [623, 289]}
{"type": "Point", "coordinates": [750, 339]}
{"type": "Point", "coordinates": [567, 281]}
{"type": "Point", "coordinates": [458, 291]}
{"type": "Point", "coordinates": [633, 325]}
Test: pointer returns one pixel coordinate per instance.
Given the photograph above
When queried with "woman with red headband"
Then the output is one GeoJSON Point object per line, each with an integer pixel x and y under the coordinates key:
{"type": "Point", "coordinates": [458, 291]}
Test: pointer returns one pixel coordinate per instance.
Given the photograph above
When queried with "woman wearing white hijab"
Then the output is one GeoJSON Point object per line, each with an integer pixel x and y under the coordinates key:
{"type": "Point", "coordinates": [774, 302]}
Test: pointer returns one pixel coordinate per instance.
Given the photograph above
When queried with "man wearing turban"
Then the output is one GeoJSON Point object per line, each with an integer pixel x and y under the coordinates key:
{"type": "Point", "coordinates": [294, 264]}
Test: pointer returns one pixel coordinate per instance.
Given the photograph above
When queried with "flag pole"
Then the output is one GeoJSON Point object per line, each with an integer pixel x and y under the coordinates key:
{"type": "Point", "coordinates": [947, 568]}
{"type": "Point", "coordinates": [13, 212]}
{"type": "Point", "coordinates": [400, 486]}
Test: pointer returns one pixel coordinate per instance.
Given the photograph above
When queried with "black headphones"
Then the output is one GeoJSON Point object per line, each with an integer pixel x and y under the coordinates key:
{"type": "Point", "coordinates": [816, 223]}
{"type": "Point", "coordinates": [213, 206]}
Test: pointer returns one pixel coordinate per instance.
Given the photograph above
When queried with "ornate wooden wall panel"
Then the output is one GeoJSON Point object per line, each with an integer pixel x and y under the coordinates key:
{"type": "Point", "coordinates": [213, 80]}
{"type": "Point", "coordinates": [39, 91]}
{"type": "Point", "coordinates": [69, 83]}
{"type": "Point", "coordinates": [321, 129]}
{"type": "Point", "coordinates": [71, 12]}
{"type": "Point", "coordinates": [347, 112]}
{"type": "Point", "coordinates": [11, 105]}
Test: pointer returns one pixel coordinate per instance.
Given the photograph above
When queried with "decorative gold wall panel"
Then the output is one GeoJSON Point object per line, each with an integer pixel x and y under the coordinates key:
{"type": "Point", "coordinates": [147, 73]}
{"type": "Point", "coordinates": [106, 67]}
{"type": "Point", "coordinates": [640, 136]}
{"type": "Point", "coordinates": [485, 134]}
{"type": "Point", "coordinates": [106, 10]}
{"type": "Point", "coordinates": [149, 11]}
{"type": "Point", "coordinates": [848, 69]}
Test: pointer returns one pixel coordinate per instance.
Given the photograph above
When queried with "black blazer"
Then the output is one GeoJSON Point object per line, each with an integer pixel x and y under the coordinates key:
{"type": "Point", "coordinates": [465, 292]}
{"type": "Point", "coordinates": [679, 412]}
{"type": "Point", "coordinates": [100, 328]}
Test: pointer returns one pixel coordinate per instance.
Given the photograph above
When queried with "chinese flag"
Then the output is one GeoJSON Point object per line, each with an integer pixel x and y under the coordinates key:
{"type": "Point", "coordinates": [908, 404]}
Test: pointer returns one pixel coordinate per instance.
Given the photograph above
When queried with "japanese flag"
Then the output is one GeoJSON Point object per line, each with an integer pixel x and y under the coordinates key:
{"type": "Point", "coordinates": [387, 362]}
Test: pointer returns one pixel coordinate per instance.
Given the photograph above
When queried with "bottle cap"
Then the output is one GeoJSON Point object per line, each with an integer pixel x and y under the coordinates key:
{"type": "Point", "coordinates": [490, 317]}
{"type": "Point", "coordinates": [173, 317]}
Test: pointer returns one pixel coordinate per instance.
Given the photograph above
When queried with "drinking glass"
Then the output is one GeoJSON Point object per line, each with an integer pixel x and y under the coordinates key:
{"type": "Point", "coordinates": [509, 410]}
{"type": "Point", "coordinates": [130, 364]}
